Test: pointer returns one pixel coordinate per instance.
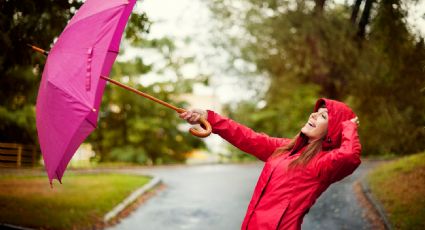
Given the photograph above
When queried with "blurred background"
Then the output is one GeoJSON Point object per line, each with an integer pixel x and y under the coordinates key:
{"type": "Point", "coordinates": [262, 63]}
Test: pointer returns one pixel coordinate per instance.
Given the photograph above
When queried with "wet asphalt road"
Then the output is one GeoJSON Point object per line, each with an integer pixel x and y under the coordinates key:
{"type": "Point", "coordinates": [216, 197]}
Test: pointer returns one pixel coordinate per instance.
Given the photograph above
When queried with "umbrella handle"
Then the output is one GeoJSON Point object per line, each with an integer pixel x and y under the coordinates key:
{"type": "Point", "coordinates": [204, 124]}
{"type": "Point", "coordinates": [203, 133]}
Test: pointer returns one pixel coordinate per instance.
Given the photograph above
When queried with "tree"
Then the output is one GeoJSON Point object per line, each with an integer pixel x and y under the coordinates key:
{"type": "Point", "coordinates": [304, 51]}
{"type": "Point", "coordinates": [23, 22]}
{"type": "Point", "coordinates": [135, 129]}
{"type": "Point", "coordinates": [388, 92]}
{"type": "Point", "coordinates": [364, 20]}
{"type": "Point", "coordinates": [295, 49]}
{"type": "Point", "coordinates": [130, 128]}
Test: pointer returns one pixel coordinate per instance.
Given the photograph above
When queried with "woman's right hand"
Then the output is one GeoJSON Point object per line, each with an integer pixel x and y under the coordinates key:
{"type": "Point", "coordinates": [193, 115]}
{"type": "Point", "coordinates": [355, 120]}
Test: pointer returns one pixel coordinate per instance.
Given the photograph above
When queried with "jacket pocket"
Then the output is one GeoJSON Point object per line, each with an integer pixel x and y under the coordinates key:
{"type": "Point", "coordinates": [285, 205]}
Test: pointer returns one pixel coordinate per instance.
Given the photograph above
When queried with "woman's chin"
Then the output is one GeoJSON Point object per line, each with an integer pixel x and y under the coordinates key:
{"type": "Point", "coordinates": [306, 132]}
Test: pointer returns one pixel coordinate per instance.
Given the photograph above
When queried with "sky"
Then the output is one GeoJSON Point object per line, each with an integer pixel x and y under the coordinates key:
{"type": "Point", "coordinates": [191, 19]}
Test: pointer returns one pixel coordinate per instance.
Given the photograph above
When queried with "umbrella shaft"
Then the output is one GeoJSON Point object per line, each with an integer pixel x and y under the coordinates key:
{"type": "Point", "coordinates": [203, 121]}
{"type": "Point", "coordinates": [179, 110]}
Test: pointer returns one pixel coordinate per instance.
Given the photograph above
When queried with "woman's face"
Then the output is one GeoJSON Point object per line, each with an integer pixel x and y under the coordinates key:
{"type": "Point", "coordinates": [317, 125]}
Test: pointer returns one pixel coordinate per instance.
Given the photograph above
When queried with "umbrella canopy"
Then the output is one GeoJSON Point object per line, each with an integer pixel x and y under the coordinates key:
{"type": "Point", "coordinates": [71, 89]}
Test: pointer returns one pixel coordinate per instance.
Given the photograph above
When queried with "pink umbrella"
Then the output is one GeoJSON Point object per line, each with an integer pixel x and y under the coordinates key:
{"type": "Point", "coordinates": [74, 78]}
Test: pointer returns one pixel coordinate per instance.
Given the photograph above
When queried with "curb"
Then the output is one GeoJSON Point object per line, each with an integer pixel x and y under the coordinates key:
{"type": "Point", "coordinates": [375, 203]}
{"type": "Point", "coordinates": [131, 198]}
{"type": "Point", "coordinates": [14, 227]}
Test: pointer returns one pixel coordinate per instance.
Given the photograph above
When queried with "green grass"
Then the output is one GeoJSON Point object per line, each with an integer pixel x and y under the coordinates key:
{"type": "Point", "coordinates": [80, 202]}
{"type": "Point", "coordinates": [400, 187]}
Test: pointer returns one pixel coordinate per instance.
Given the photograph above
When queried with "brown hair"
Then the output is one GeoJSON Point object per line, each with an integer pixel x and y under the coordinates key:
{"type": "Point", "coordinates": [312, 149]}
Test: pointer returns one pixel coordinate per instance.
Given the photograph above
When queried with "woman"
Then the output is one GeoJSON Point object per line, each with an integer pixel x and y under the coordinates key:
{"type": "Point", "coordinates": [297, 171]}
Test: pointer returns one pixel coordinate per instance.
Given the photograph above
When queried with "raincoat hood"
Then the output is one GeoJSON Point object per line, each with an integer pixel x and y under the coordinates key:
{"type": "Point", "coordinates": [338, 112]}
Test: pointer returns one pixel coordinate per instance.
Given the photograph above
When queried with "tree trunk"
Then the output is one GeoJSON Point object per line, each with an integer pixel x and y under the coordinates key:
{"type": "Point", "coordinates": [320, 4]}
{"type": "Point", "coordinates": [355, 12]}
{"type": "Point", "coordinates": [364, 20]}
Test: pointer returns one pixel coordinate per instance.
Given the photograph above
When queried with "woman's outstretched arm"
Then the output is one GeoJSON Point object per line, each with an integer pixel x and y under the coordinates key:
{"type": "Point", "coordinates": [258, 144]}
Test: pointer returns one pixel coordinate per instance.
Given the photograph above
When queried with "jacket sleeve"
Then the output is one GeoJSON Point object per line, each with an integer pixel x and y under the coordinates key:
{"type": "Point", "coordinates": [339, 163]}
{"type": "Point", "coordinates": [258, 144]}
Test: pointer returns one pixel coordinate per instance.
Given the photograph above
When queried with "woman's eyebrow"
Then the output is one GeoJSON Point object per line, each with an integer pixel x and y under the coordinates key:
{"type": "Point", "coordinates": [323, 112]}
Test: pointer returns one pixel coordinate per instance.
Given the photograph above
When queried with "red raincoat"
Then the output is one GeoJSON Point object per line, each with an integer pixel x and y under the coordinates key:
{"type": "Point", "coordinates": [281, 198]}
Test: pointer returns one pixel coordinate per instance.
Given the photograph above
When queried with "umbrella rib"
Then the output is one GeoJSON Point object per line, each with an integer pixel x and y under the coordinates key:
{"type": "Point", "coordinates": [90, 108]}
{"type": "Point", "coordinates": [92, 15]}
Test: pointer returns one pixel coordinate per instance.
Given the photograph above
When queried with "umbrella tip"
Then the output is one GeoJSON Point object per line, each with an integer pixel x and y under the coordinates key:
{"type": "Point", "coordinates": [38, 49]}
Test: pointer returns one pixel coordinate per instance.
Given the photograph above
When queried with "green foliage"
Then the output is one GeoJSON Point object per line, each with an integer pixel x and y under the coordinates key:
{"type": "Point", "coordinates": [138, 25]}
{"type": "Point", "coordinates": [134, 129]}
{"type": "Point", "coordinates": [388, 91]}
{"type": "Point", "coordinates": [278, 116]}
{"type": "Point", "coordinates": [129, 154]}
{"type": "Point", "coordinates": [22, 22]}
{"type": "Point", "coordinates": [131, 128]}
{"type": "Point", "coordinates": [304, 52]}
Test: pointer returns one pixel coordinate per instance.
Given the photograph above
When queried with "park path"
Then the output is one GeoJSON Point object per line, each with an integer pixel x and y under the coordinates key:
{"type": "Point", "coordinates": [216, 197]}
